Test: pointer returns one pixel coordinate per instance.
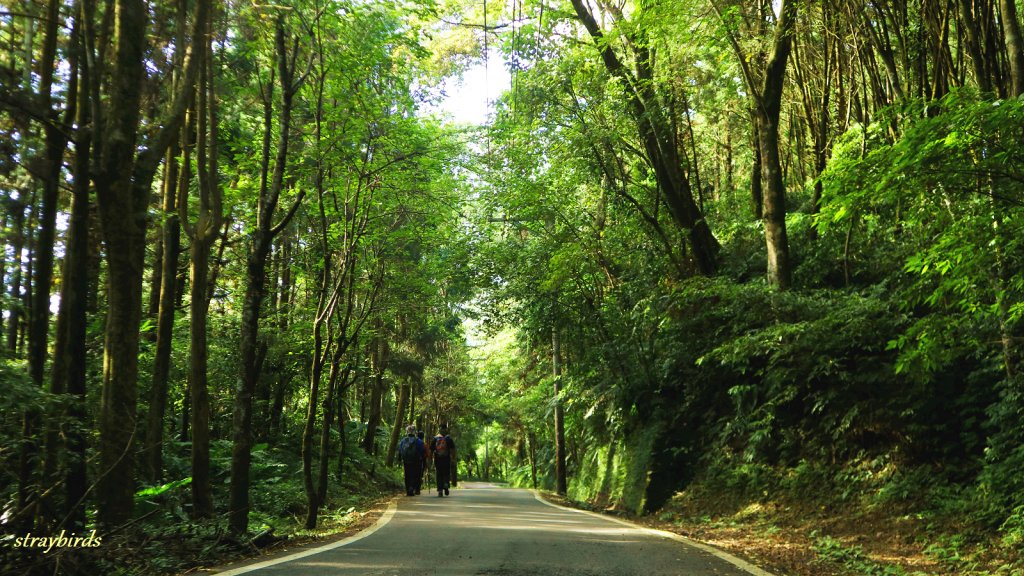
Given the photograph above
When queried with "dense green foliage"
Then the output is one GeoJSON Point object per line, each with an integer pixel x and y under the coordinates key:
{"type": "Point", "coordinates": [773, 248]}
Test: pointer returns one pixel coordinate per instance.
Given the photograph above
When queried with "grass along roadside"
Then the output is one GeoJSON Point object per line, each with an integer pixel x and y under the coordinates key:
{"type": "Point", "coordinates": [825, 537]}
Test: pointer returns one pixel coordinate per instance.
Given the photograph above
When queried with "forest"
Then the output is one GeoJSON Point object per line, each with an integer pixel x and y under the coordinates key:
{"type": "Point", "coordinates": [747, 269]}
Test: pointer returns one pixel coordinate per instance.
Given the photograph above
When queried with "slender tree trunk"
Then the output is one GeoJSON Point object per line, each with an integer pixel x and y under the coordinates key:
{"type": "Point", "coordinates": [325, 431]}
{"type": "Point", "coordinates": [203, 234]}
{"type": "Point", "coordinates": [48, 175]}
{"type": "Point", "coordinates": [533, 460]}
{"type": "Point", "coordinates": [156, 274]}
{"type": "Point", "coordinates": [403, 403]}
{"type": "Point", "coordinates": [69, 357]}
{"type": "Point", "coordinates": [18, 244]}
{"type": "Point", "coordinates": [74, 302]}
{"type": "Point", "coordinates": [242, 421]}
{"type": "Point", "coordinates": [4, 219]}
{"type": "Point", "coordinates": [756, 173]}
{"type": "Point", "coordinates": [343, 419]}
{"type": "Point", "coordinates": [202, 493]}
{"type": "Point", "coordinates": [561, 482]}
{"type": "Point", "coordinates": [26, 294]}
{"type": "Point", "coordinates": [728, 160]}
{"type": "Point", "coordinates": [316, 373]}
{"type": "Point", "coordinates": [256, 264]}
{"type": "Point", "coordinates": [175, 186]}
{"type": "Point", "coordinates": [186, 413]}
{"type": "Point", "coordinates": [374, 418]}
{"type": "Point", "coordinates": [609, 469]}
{"type": "Point", "coordinates": [1014, 44]}
{"type": "Point", "coordinates": [171, 242]}
{"type": "Point", "coordinates": [973, 35]}
{"type": "Point", "coordinates": [261, 410]}
{"type": "Point", "coordinates": [767, 110]}
{"type": "Point", "coordinates": [277, 409]}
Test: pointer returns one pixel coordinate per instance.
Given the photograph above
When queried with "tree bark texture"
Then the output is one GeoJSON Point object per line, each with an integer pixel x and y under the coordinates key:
{"type": "Point", "coordinates": [123, 222]}
{"type": "Point", "coordinates": [767, 111]}
{"type": "Point", "coordinates": [123, 183]}
{"type": "Point", "coordinates": [1014, 44]}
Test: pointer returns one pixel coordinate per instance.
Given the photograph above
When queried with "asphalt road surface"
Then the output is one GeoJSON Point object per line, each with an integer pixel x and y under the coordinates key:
{"type": "Point", "coordinates": [484, 530]}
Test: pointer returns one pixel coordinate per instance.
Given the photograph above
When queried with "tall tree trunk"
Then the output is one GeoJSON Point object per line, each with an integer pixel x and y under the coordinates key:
{"type": "Point", "coordinates": [561, 482]}
{"type": "Point", "coordinates": [4, 219]}
{"type": "Point", "coordinates": [171, 242]}
{"type": "Point", "coordinates": [277, 408]}
{"type": "Point", "coordinates": [202, 492]}
{"type": "Point", "coordinates": [164, 282]}
{"type": "Point", "coordinates": [325, 430]}
{"type": "Point", "coordinates": [256, 264]}
{"type": "Point", "coordinates": [14, 312]}
{"type": "Point", "coordinates": [343, 419]}
{"type": "Point", "coordinates": [156, 274]}
{"type": "Point", "coordinates": [767, 111]}
{"type": "Point", "coordinates": [123, 221]}
{"type": "Point", "coordinates": [276, 404]}
{"type": "Point", "coordinates": [69, 340]}
{"type": "Point", "coordinates": [374, 418]}
{"type": "Point", "coordinates": [973, 35]}
{"type": "Point", "coordinates": [262, 393]}
{"type": "Point", "coordinates": [756, 172]}
{"type": "Point", "coordinates": [48, 172]}
{"type": "Point", "coordinates": [533, 460]}
{"type": "Point", "coordinates": [324, 310]}
{"type": "Point", "coordinates": [378, 361]}
{"type": "Point", "coordinates": [70, 364]}
{"type": "Point", "coordinates": [1014, 44]}
{"type": "Point", "coordinates": [123, 187]}
{"type": "Point", "coordinates": [403, 403]}
{"type": "Point", "coordinates": [204, 233]}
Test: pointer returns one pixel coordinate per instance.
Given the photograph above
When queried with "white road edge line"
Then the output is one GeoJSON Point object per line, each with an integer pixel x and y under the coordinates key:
{"type": "Point", "coordinates": [738, 562]}
{"type": "Point", "coordinates": [381, 522]}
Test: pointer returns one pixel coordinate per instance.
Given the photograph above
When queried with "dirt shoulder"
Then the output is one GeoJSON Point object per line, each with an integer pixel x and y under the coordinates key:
{"type": "Point", "coordinates": [344, 526]}
{"type": "Point", "coordinates": [800, 540]}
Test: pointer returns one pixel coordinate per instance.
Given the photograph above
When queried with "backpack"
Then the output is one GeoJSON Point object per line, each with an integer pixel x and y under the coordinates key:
{"type": "Point", "coordinates": [441, 447]}
{"type": "Point", "coordinates": [407, 449]}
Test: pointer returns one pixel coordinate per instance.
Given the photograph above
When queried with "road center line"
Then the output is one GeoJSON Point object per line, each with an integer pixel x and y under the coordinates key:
{"type": "Point", "coordinates": [381, 522]}
{"type": "Point", "coordinates": [737, 562]}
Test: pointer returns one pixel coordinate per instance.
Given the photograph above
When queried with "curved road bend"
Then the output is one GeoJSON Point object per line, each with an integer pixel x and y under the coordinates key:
{"type": "Point", "coordinates": [482, 530]}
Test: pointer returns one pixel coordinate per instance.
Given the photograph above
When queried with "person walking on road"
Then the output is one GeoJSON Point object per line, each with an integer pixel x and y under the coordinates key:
{"type": "Point", "coordinates": [412, 451]}
{"type": "Point", "coordinates": [427, 457]}
{"type": "Point", "coordinates": [443, 449]}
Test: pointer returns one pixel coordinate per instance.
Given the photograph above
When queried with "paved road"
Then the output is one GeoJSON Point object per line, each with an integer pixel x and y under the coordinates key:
{"type": "Point", "coordinates": [482, 530]}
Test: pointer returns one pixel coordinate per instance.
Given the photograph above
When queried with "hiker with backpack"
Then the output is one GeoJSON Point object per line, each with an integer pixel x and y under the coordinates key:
{"type": "Point", "coordinates": [443, 449]}
{"type": "Point", "coordinates": [412, 451]}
